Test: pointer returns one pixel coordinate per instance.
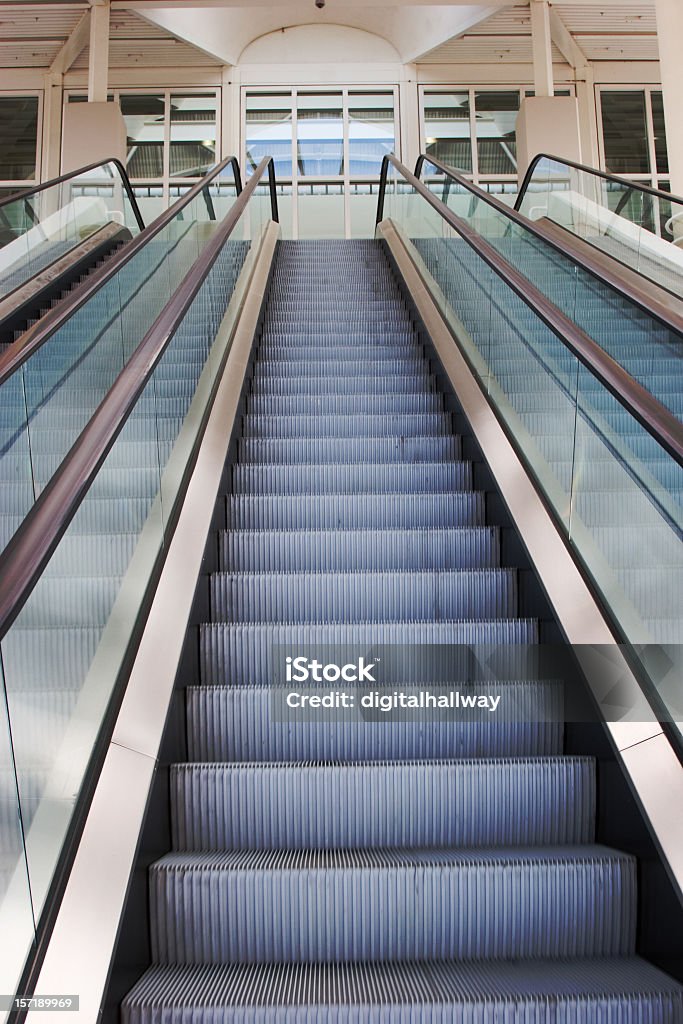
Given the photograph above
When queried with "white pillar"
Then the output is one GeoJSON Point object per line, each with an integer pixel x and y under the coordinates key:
{"type": "Point", "coordinates": [409, 117]}
{"type": "Point", "coordinates": [542, 47]}
{"type": "Point", "coordinates": [52, 126]}
{"type": "Point", "coordinates": [670, 38]}
{"type": "Point", "coordinates": [98, 63]}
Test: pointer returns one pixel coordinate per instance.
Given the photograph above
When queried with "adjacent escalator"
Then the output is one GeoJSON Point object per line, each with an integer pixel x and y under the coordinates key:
{"type": "Point", "coordinates": [53, 377]}
{"type": "Point", "coordinates": [640, 331]}
{"type": "Point", "coordinates": [52, 236]}
{"type": "Point", "coordinates": [638, 226]}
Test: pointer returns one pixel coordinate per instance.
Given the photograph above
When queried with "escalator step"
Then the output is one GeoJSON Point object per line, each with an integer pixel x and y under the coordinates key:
{"type": "Point", "coordinates": [317, 906]}
{"type": "Point", "coordinates": [344, 550]}
{"type": "Point", "coordinates": [344, 806]}
{"type": "Point", "coordinates": [598, 991]}
{"type": "Point", "coordinates": [235, 723]}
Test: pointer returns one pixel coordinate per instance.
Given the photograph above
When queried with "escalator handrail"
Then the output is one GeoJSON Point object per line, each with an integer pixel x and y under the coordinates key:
{"type": "Point", "coordinates": [606, 175]}
{"type": "Point", "coordinates": [36, 336]}
{"type": "Point", "coordinates": [596, 268]}
{"type": "Point", "coordinates": [657, 420]}
{"type": "Point", "coordinates": [26, 193]}
{"type": "Point", "coordinates": [32, 546]}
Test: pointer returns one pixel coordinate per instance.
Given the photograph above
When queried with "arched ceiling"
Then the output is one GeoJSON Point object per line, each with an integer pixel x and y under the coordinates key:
{"type": "Point", "coordinates": [225, 31]}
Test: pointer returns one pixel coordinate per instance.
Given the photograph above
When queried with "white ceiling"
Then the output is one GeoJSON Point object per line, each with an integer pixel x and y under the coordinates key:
{"type": "Point", "coordinates": [182, 33]}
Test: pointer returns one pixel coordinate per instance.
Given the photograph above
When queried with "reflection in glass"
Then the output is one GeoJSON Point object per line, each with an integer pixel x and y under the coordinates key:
{"type": "Point", "coordinates": [660, 132]}
{"type": "Point", "coordinates": [371, 131]}
{"type": "Point", "coordinates": [144, 117]}
{"type": "Point", "coordinates": [193, 134]}
{"type": "Point", "coordinates": [496, 116]}
{"type": "Point", "coordinates": [269, 132]}
{"type": "Point", "coordinates": [19, 134]}
{"type": "Point", "coordinates": [447, 128]}
{"type": "Point", "coordinates": [320, 134]}
{"type": "Point", "coordinates": [624, 131]}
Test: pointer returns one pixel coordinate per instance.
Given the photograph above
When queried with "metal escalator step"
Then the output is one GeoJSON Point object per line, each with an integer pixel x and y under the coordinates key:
{"type": "Point", "coordinates": [372, 425]}
{"type": "Point", "coordinates": [321, 906]}
{"type": "Point", "coordinates": [348, 597]}
{"type": "Point", "coordinates": [388, 384]}
{"type": "Point", "coordinates": [338, 405]}
{"type": "Point", "coordinates": [316, 367]}
{"type": "Point", "coordinates": [318, 805]}
{"type": "Point", "coordinates": [351, 478]}
{"type": "Point", "coordinates": [243, 653]}
{"type": "Point", "coordinates": [327, 511]}
{"type": "Point", "coordinates": [344, 550]}
{"type": "Point", "coordinates": [627, 990]}
{"type": "Point", "coordinates": [320, 450]}
{"type": "Point", "coordinates": [236, 723]}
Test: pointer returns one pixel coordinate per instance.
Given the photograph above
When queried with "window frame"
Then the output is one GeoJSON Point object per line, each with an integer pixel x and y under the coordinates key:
{"type": "Point", "coordinates": [166, 181]}
{"type": "Point", "coordinates": [17, 184]}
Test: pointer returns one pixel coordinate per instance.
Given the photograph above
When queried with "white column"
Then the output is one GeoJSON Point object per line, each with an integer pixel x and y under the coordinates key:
{"type": "Point", "coordinates": [542, 47]}
{"type": "Point", "coordinates": [98, 63]}
{"type": "Point", "coordinates": [670, 38]}
{"type": "Point", "coordinates": [52, 126]}
{"type": "Point", "coordinates": [409, 117]}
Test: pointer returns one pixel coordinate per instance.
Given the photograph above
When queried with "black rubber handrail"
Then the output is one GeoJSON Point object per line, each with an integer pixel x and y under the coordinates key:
{"type": "Point", "coordinates": [650, 304]}
{"type": "Point", "coordinates": [26, 193]}
{"type": "Point", "coordinates": [36, 336]}
{"type": "Point", "coordinates": [31, 547]}
{"type": "Point", "coordinates": [661, 424]}
{"type": "Point", "coordinates": [591, 170]}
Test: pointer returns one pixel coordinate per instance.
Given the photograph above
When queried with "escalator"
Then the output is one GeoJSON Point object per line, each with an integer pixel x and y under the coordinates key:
{"type": "Point", "coordinates": [358, 866]}
{"type": "Point", "coordinates": [54, 235]}
{"type": "Point", "coordinates": [639, 227]}
{"type": "Point", "coordinates": [640, 329]}
{"type": "Point", "coordinates": [57, 371]}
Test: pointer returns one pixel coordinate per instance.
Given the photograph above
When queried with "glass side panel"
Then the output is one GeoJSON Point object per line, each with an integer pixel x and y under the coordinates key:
{"type": "Point", "coordinates": [371, 131]}
{"type": "Point", "coordinates": [447, 128]}
{"type": "Point", "coordinates": [17, 928]}
{"type": "Point", "coordinates": [496, 116]}
{"type": "Point", "coordinates": [616, 492]}
{"type": "Point", "coordinates": [618, 217]}
{"type": "Point", "coordinates": [49, 400]}
{"type": "Point", "coordinates": [19, 134]}
{"type": "Point", "coordinates": [64, 652]}
{"type": "Point", "coordinates": [320, 134]}
{"type": "Point", "coordinates": [269, 132]}
{"type": "Point", "coordinates": [193, 134]}
{"type": "Point", "coordinates": [624, 131]}
{"type": "Point", "coordinates": [144, 117]}
{"type": "Point", "coordinates": [39, 228]}
{"type": "Point", "coordinates": [649, 352]}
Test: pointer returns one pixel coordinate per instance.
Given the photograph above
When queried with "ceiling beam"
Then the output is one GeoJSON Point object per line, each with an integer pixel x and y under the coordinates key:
{"type": "Point", "coordinates": [565, 41]}
{"type": "Point", "coordinates": [73, 47]}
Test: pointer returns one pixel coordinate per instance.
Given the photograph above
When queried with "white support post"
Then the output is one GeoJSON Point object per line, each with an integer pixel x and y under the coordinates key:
{"type": "Point", "coordinates": [411, 142]}
{"type": "Point", "coordinates": [542, 47]}
{"type": "Point", "coordinates": [52, 126]}
{"type": "Point", "coordinates": [98, 65]}
{"type": "Point", "coordinates": [670, 36]}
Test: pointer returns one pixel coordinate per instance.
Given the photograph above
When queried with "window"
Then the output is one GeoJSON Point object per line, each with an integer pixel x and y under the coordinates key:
{"type": "Point", "coordinates": [633, 145]}
{"type": "Point", "coordinates": [171, 135]}
{"type": "Point", "coordinates": [328, 145]}
{"type": "Point", "coordinates": [19, 134]}
{"type": "Point", "coordinates": [473, 130]}
{"type": "Point", "coordinates": [634, 134]}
